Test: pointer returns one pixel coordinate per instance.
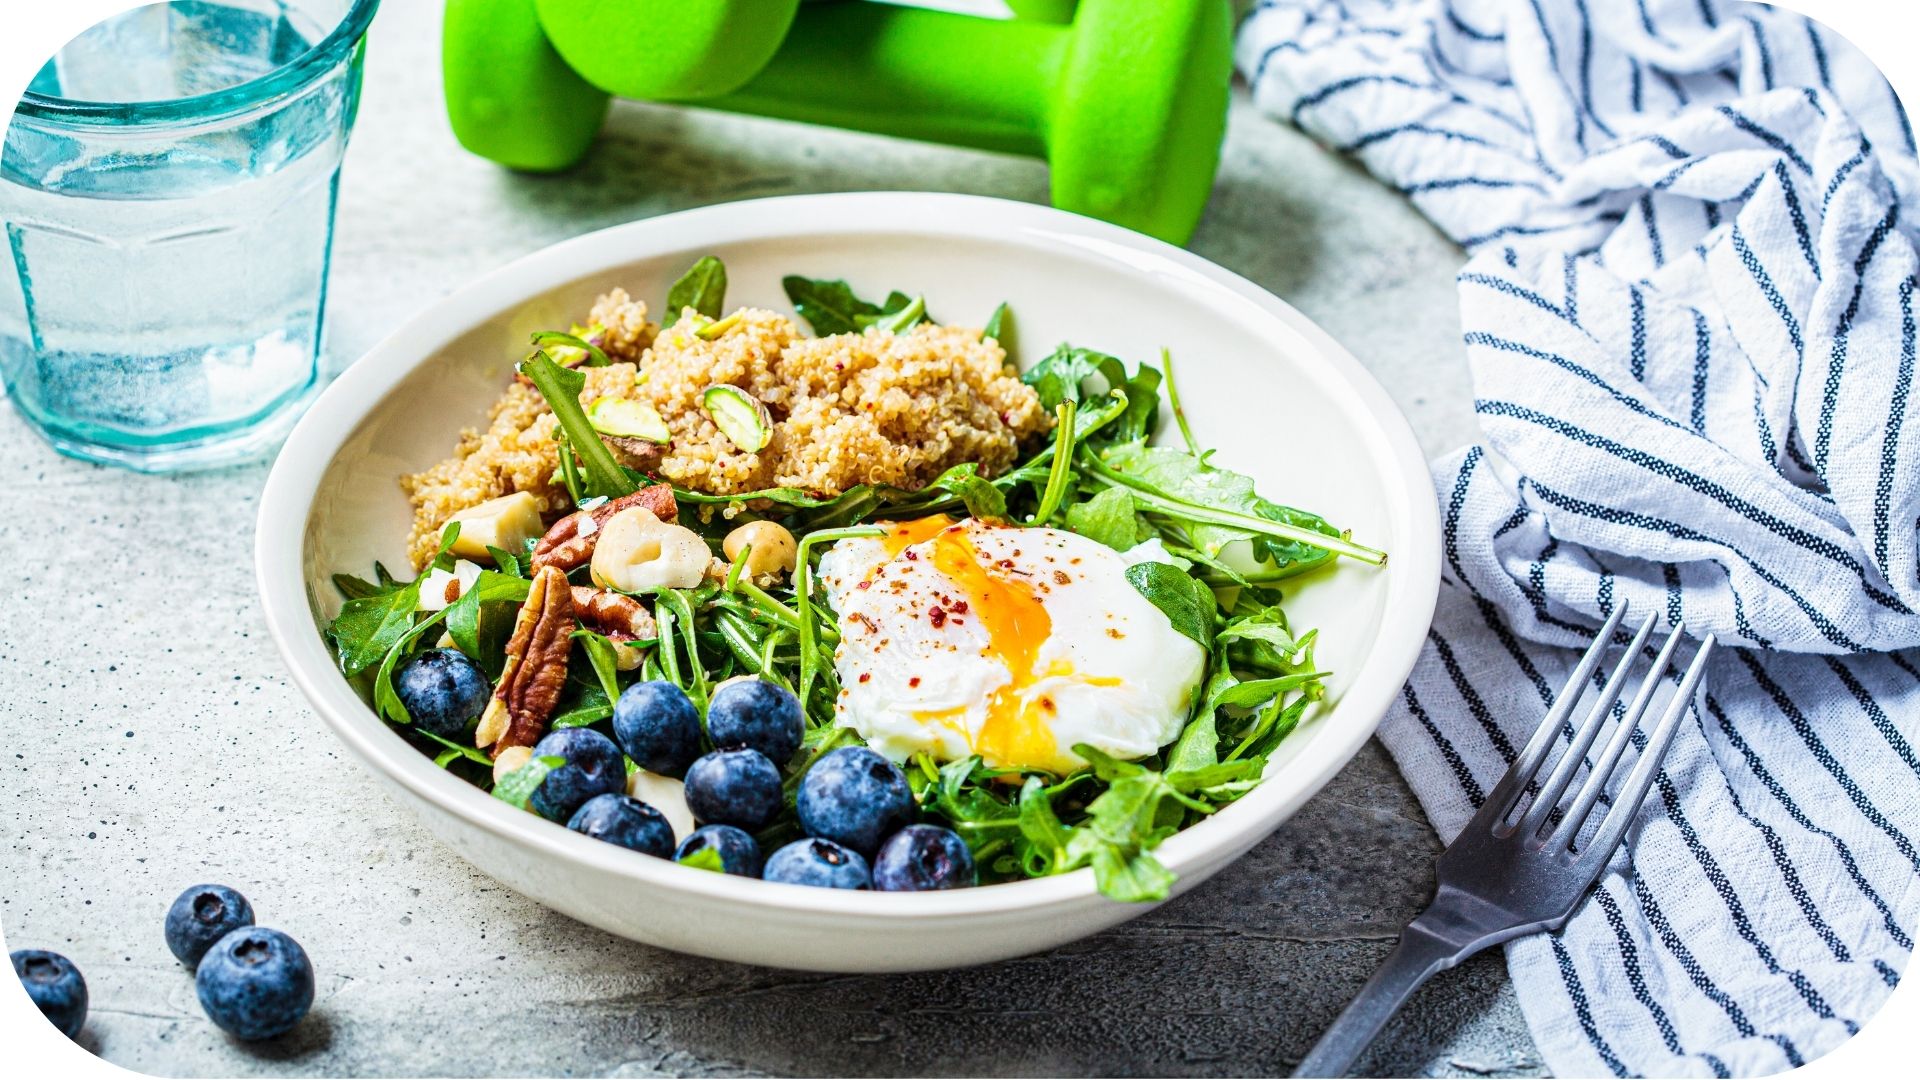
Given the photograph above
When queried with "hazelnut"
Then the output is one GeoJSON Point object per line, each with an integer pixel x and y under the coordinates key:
{"type": "Point", "coordinates": [772, 547]}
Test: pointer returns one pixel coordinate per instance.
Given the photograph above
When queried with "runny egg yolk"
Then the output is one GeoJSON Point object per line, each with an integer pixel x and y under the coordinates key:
{"type": "Point", "coordinates": [1015, 731]}
{"type": "Point", "coordinates": [904, 534]}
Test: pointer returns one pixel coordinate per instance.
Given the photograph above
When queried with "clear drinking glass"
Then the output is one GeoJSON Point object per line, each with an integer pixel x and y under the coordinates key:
{"type": "Point", "coordinates": [167, 187]}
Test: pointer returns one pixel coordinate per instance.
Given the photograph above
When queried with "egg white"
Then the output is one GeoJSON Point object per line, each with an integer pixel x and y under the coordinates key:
{"type": "Point", "coordinates": [919, 668]}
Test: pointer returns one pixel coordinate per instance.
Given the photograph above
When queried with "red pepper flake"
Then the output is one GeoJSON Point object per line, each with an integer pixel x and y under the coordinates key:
{"type": "Point", "coordinates": [865, 675]}
{"type": "Point", "coordinates": [863, 585]}
{"type": "Point", "coordinates": [938, 615]}
{"type": "Point", "coordinates": [912, 555]}
{"type": "Point", "coordinates": [915, 681]}
{"type": "Point", "coordinates": [958, 607]}
{"type": "Point", "coordinates": [1047, 704]}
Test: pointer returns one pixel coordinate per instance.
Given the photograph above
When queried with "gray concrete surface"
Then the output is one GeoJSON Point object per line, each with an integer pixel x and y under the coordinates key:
{"type": "Point", "coordinates": [155, 741]}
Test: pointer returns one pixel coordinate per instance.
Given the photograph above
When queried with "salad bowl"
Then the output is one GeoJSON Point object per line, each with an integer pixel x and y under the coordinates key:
{"type": "Point", "coordinates": [1279, 398]}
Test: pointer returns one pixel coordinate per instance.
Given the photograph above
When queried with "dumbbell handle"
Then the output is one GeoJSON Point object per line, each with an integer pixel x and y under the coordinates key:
{"type": "Point", "coordinates": [913, 73]}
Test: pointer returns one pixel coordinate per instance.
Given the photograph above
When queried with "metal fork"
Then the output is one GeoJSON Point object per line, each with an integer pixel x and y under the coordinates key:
{"type": "Point", "coordinates": [1500, 878]}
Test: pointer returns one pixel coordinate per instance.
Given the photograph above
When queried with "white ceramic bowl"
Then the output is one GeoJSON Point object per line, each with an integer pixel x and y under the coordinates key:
{"type": "Point", "coordinates": [1278, 397]}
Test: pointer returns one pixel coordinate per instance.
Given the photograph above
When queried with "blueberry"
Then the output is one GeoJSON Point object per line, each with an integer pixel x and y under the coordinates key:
{"type": "Point", "coordinates": [822, 863]}
{"type": "Point", "coordinates": [923, 857]}
{"type": "Point", "coordinates": [734, 787]}
{"type": "Point", "coordinates": [594, 766]}
{"type": "Point", "coordinates": [739, 852]}
{"type": "Point", "coordinates": [203, 915]}
{"type": "Point", "coordinates": [758, 715]}
{"type": "Point", "coordinates": [55, 986]}
{"type": "Point", "coordinates": [658, 727]}
{"type": "Point", "coordinates": [443, 691]}
{"type": "Point", "coordinates": [855, 797]}
{"type": "Point", "coordinates": [625, 820]}
{"type": "Point", "coordinates": [255, 983]}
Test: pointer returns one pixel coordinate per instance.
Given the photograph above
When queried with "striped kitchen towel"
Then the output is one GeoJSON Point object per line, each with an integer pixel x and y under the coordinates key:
{"type": "Point", "coordinates": [1689, 313]}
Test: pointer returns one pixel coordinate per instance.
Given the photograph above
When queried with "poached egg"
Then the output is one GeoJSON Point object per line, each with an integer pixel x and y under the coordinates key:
{"type": "Point", "coordinates": [968, 637]}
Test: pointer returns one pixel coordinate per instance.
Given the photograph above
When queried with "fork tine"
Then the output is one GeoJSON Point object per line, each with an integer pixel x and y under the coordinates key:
{"type": "Point", "coordinates": [1621, 815]}
{"type": "Point", "coordinates": [1596, 783]}
{"type": "Point", "coordinates": [1556, 785]}
{"type": "Point", "coordinates": [1494, 809]}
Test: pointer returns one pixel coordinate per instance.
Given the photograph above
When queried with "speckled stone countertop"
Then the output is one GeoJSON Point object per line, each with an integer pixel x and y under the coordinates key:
{"type": "Point", "coordinates": [156, 740]}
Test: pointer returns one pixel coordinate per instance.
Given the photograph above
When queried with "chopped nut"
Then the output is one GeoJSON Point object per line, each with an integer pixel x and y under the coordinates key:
{"type": "Point", "coordinates": [510, 759]}
{"type": "Point", "coordinates": [571, 541]}
{"type": "Point", "coordinates": [637, 552]}
{"type": "Point", "coordinates": [536, 667]}
{"type": "Point", "coordinates": [616, 615]}
{"type": "Point", "coordinates": [770, 548]}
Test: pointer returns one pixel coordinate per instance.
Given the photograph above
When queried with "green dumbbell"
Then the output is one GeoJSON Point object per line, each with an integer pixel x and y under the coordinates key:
{"type": "Point", "coordinates": [1127, 102]}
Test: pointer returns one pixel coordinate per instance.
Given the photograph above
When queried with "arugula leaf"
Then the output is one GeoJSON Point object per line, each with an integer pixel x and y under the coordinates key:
{"type": "Point", "coordinates": [1187, 479]}
{"type": "Point", "coordinates": [1137, 811]}
{"type": "Point", "coordinates": [996, 324]}
{"type": "Point", "coordinates": [983, 499]}
{"type": "Point", "coordinates": [367, 628]}
{"type": "Point", "coordinates": [971, 808]}
{"type": "Point", "coordinates": [466, 619]}
{"type": "Point", "coordinates": [1199, 743]}
{"type": "Point", "coordinates": [600, 654]}
{"type": "Point", "coordinates": [828, 306]}
{"type": "Point", "coordinates": [1143, 405]}
{"type": "Point", "coordinates": [590, 707]}
{"type": "Point", "coordinates": [508, 563]}
{"type": "Point", "coordinates": [706, 858]}
{"type": "Point", "coordinates": [1187, 602]}
{"type": "Point", "coordinates": [703, 288]}
{"type": "Point", "coordinates": [454, 751]}
{"type": "Point", "coordinates": [1046, 837]}
{"type": "Point", "coordinates": [1109, 518]}
{"type": "Point", "coordinates": [907, 316]}
{"type": "Point", "coordinates": [1060, 376]}
{"type": "Point", "coordinates": [354, 588]}
{"type": "Point", "coordinates": [518, 786]}
{"type": "Point", "coordinates": [561, 387]}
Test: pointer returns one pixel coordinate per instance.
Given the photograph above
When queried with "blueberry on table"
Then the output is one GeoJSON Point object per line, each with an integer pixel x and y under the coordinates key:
{"type": "Point", "coordinates": [55, 986]}
{"type": "Point", "coordinates": [734, 787]}
{"type": "Point", "coordinates": [624, 820]}
{"type": "Point", "coordinates": [923, 857]}
{"type": "Point", "coordinates": [758, 715]}
{"type": "Point", "coordinates": [255, 983]}
{"type": "Point", "coordinates": [739, 852]}
{"type": "Point", "coordinates": [593, 766]}
{"type": "Point", "coordinates": [657, 726]}
{"type": "Point", "coordinates": [855, 797]}
{"type": "Point", "coordinates": [203, 915]}
{"type": "Point", "coordinates": [817, 862]}
{"type": "Point", "coordinates": [443, 691]}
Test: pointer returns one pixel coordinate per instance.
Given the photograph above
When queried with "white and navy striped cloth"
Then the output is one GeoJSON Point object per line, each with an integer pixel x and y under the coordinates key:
{"type": "Point", "coordinates": [1690, 317]}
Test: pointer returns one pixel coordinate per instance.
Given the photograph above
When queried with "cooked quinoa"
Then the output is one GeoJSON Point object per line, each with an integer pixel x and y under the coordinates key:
{"type": "Point", "coordinates": [876, 408]}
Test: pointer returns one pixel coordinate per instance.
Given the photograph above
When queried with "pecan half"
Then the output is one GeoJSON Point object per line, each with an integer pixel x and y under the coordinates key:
{"type": "Point", "coordinates": [570, 542]}
{"type": "Point", "coordinates": [617, 615]}
{"type": "Point", "coordinates": [536, 668]}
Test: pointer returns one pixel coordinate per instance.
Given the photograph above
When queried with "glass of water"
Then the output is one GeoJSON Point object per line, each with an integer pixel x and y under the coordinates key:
{"type": "Point", "coordinates": [167, 188]}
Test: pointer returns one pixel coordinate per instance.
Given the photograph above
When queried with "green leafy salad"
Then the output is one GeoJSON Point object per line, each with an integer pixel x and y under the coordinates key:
{"type": "Point", "coordinates": [516, 631]}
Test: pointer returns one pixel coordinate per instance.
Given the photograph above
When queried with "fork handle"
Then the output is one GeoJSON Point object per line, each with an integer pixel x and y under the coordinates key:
{"type": "Point", "coordinates": [1420, 953]}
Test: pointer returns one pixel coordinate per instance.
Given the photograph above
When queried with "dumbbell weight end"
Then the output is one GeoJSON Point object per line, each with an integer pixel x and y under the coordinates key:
{"type": "Point", "coordinates": [1128, 103]}
{"type": "Point", "coordinates": [510, 97]}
